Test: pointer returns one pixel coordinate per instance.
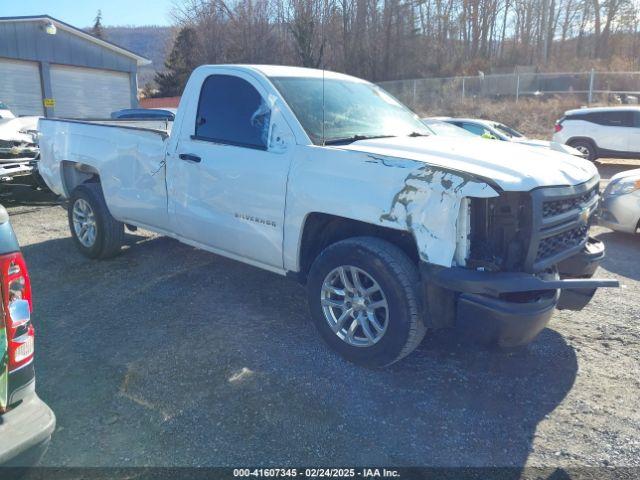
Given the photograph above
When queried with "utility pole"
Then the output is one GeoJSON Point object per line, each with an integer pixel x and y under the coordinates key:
{"type": "Point", "coordinates": [591, 80]}
{"type": "Point", "coordinates": [545, 31]}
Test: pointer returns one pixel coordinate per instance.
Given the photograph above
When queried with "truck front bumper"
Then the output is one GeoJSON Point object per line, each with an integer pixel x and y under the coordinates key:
{"type": "Point", "coordinates": [26, 427]}
{"type": "Point", "coordinates": [502, 322]}
{"type": "Point", "coordinates": [511, 308]}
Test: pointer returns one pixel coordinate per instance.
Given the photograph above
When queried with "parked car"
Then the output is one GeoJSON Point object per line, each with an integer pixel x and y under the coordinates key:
{"type": "Point", "coordinates": [18, 139]}
{"type": "Point", "coordinates": [145, 114]}
{"type": "Point", "coordinates": [500, 131]}
{"type": "Point", "coordinates": [601, 132]}
{"type": "Point", "coordinates": [439, 127]}
{"type": "Point", "coordinates": [620, 205]}
{"type": "Point", "coordinates": [19, 149]}
{"type": "Point", "coordinates": [394, 231]}
{"type": "Point", "coordinates": [5, 112]}
{"type": "Point", "coordinates": [26, 422]}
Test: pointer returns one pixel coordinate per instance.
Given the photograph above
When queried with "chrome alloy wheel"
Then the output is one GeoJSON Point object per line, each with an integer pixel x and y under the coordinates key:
{"type": "Point", "coordinates": [84, 222]}
{"type": "Point", "coordinates": [583, 149]}
{"type": "Point", "coordinates": [354, 306]}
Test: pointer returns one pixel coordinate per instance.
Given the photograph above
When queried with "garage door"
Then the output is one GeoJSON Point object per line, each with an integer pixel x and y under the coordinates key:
{"type": "Point", "coordinates": [89, 93]}
{"type": "Point", "coordinates": [20, 87]}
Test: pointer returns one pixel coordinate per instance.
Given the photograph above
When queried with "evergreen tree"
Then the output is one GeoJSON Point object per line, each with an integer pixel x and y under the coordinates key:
{"type": "Point", "coordinates": [96, 30]}
{"type": "Point", "coordinates": [181, 62]}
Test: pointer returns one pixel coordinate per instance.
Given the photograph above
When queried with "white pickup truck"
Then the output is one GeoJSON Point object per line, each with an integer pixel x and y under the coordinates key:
{"type": "Point", "coordinates": [326, 178]}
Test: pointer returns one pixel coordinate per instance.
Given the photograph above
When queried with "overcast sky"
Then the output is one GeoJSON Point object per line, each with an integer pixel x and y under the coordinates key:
{"type": "Point", "coordinates": [80, 13]}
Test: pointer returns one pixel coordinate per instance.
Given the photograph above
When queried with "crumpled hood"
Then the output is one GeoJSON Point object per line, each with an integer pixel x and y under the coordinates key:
{"type": "Point", "coordinates": [513, 167]}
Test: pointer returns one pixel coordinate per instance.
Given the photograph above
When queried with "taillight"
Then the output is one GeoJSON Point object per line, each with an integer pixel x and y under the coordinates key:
{"type": "Point", "coordinates": [17, 306]}
{"type": "Point", "coordinates": [558, 127]}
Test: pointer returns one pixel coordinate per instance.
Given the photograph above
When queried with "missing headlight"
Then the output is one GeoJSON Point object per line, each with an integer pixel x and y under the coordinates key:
{"type": "Point", "coordinates": [500, 231]}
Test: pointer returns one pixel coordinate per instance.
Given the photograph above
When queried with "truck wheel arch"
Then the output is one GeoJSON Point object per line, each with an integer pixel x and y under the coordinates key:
{"type": "Point", "coordinates": [74, 173]}
{"type": "Point", "coordinates": [321, 230]}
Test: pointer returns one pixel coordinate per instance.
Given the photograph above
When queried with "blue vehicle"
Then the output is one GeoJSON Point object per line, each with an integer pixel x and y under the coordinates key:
{"type": "Point", "coordinates": [145, 114]}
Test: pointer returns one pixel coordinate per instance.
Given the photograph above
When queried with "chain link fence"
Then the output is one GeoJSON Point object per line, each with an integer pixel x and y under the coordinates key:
{"type": "Point", "coordinates": [589, 87]}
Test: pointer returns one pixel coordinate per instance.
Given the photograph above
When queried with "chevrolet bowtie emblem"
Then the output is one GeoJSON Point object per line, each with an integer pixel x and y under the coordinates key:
{"type": "Point", "coordinates": [584, 216]}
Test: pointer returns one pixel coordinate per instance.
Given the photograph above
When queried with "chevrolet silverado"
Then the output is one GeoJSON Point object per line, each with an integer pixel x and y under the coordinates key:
{"type": "Point", "coordinates": [330, 180]}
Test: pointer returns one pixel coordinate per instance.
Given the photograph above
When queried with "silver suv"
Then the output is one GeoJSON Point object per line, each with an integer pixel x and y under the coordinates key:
{"type": "Point", "coordinates": [601, 132]}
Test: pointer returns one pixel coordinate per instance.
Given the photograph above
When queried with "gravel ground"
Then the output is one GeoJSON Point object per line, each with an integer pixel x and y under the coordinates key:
{"type": "Point", "coordinates": [170, 356]}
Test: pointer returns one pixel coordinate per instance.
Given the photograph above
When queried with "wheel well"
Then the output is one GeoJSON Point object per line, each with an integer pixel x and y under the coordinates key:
{"type": "Point", "coordinates": [583, 139]}
{"type": "Point", "coordinates": [74, 174]}
{"type": "Point", "coordinates": [322, 230]}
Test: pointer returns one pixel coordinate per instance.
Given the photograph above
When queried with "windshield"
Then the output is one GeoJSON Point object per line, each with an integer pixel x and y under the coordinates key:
{"type": "Point", "coordinates": [3, 106]}
{"type": "Point", "coordinates": [508, 131]}
{"type": "Point", "coordinates": [352, 110]}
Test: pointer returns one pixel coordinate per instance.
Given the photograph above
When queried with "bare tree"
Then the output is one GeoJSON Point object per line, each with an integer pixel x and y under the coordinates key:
{"type": "Point", "coordinates": [390, 39]}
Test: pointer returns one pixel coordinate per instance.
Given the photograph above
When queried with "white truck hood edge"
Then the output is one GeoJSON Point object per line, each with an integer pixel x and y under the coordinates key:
{"type": "Point", "coordinates": [513, 167]}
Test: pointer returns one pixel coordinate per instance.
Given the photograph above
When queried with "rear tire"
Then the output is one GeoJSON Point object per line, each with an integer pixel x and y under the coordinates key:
{"type": "Point", "coordinates": [354, 323]}
{"type": "Point", "coordinates": [95, 232]}
{"type": "Point", "coordinates": [586, 147]}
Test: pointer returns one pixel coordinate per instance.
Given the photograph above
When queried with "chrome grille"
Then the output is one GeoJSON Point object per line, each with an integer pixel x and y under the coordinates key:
{"type": "Point", "coordinates": [561, 219]}
{"type": "Point", "coordinates": [551, 208]}
{"type": "Point", "coordinates": [550, 246]}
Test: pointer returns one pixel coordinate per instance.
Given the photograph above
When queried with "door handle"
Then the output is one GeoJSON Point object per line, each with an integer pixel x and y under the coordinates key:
{"type": "Point", "coordinates": [190, 158]}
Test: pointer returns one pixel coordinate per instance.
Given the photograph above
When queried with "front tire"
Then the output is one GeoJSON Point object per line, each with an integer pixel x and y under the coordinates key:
{"type": "Point", "coordinates": [95, 232]}
{"type": "Point", "coordinates": [364, 296]}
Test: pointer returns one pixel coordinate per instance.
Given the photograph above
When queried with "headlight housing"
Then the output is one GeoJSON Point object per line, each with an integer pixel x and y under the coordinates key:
{"type": "Point", "coordinates": [625, 186]}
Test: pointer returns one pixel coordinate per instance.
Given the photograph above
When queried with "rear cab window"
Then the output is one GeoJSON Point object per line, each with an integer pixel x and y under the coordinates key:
{"type": "Point", "coordinates": [232, 112]}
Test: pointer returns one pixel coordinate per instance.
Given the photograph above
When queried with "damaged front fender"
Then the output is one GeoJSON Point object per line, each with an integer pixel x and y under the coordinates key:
{"type": "Point", "coordinates": [428, 206]}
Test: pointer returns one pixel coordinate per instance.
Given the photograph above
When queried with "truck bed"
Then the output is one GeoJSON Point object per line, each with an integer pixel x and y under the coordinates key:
{"type": "Point", "coordinates": [128, 157]}
{"type": "Point", "coordinates": [156, 126]}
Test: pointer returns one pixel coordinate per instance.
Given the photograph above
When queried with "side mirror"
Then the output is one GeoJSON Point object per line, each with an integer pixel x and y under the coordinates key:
{"type": "Point", "coordinates": [280, 137]}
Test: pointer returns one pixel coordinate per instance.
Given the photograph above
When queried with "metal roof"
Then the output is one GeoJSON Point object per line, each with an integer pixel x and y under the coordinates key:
{"type": "Point", "coordinates": [80, 33]}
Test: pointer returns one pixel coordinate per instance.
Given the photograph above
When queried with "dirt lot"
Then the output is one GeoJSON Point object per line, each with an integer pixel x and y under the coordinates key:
{"type": "Point", "coordinates": [168, 355]}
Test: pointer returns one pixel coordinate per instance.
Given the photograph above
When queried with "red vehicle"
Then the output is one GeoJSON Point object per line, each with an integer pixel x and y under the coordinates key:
{"type": "Point", "coordinates": [26, 422]}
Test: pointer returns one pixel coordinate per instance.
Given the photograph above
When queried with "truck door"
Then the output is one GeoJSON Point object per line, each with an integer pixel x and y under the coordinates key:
{"type": "Point", "coordinates": [226, 187]}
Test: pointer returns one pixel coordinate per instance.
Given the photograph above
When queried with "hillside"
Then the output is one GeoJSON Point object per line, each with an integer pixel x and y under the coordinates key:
{"type": "Point", "coordinates": [152, 42]}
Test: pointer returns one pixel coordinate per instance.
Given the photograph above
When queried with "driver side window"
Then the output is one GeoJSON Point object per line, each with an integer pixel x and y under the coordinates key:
{"type": "Point", "coordinates": [232, 112]}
